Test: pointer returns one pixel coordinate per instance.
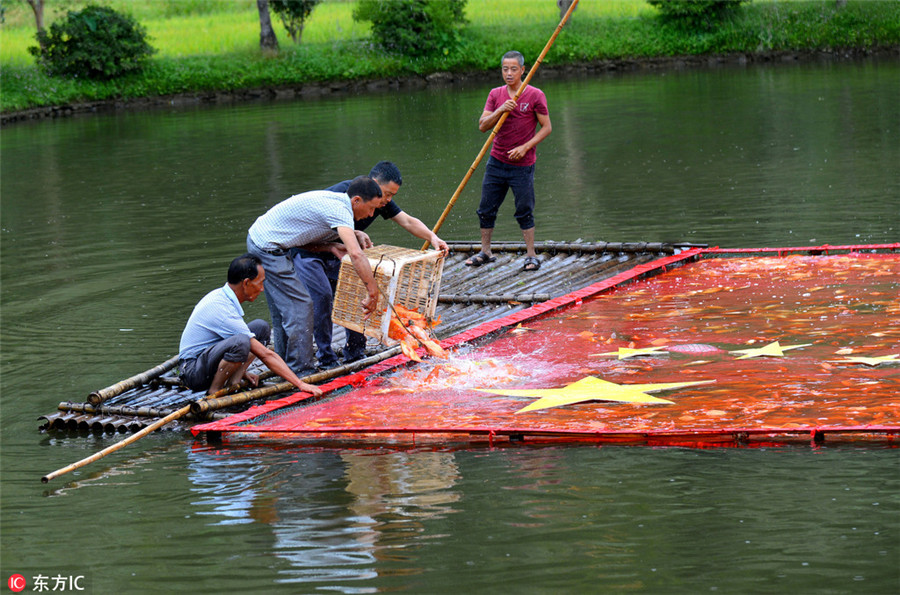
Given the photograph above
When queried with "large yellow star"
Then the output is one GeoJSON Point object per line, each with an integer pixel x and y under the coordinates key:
{"type": "Point", "coordinates": [625, 352]}
{"type": "Point", "coordinates": [771, 350]}
{"type": "Point", "coordinates": [591, 388]}
{"type": "Point", "coordinates": [870, 361]}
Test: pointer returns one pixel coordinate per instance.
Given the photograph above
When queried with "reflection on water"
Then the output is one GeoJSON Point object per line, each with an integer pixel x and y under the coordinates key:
{"type": "Point", "coordinates": [334, 516]}
{"type": "Point", "coordinates": [580, 519]}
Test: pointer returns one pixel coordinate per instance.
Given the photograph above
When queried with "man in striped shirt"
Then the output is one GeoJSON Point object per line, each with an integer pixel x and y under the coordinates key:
{"type": "Point", "coordinates": [319, 266]}
{"type": "Point", "coordinates": [313, 217]}
{"type": "Point", "coordinates": [217, 346]}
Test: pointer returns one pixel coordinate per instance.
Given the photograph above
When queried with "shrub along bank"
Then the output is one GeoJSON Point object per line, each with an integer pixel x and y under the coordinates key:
{"type": "Point", "coordinates": [757, 29]}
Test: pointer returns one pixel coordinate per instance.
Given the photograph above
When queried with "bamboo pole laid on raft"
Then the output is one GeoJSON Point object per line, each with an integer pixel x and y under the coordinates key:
{"type": "Point", "coordinates": [204, 406]}
{"type": "Point", "coordinates": [566, 247]}
{"type": "Point", "coordinates": [98, 396]}
{"type": "Point", "coordinates": [483, 298]}
{"type": "Point", "coordinates": [503, 117]}
{"type": "Point", "coordinates": [120, 410]}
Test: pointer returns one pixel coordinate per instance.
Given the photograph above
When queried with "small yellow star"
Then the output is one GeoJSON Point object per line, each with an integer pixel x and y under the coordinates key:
{"type": "Point", "coordinates": [591, 388]}
{"type": "Point", "coordinates": [625, 352]}
{"type": "Point", "coordinates": [870, 361]}
{"type": "Point", "coordinates": [771, 350]}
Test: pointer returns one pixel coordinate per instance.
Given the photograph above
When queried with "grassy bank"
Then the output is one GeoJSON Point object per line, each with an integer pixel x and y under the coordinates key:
{"type": "Point", "coordinates": [212, 45]}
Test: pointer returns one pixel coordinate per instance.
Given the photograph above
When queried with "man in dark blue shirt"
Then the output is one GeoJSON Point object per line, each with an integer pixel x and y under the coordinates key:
{"type": "Point", "coordinates": [318, 267]}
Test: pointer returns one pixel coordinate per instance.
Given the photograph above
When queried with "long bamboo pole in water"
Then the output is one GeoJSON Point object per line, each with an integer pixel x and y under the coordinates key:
{"type": "Point", "coordinates": [133, 438]}
{"type": "Point", "coordinates": [219, 398]}
{"type": "Point", "coordinates": [118, 445]}
{"type": "Point", "coordinates": [503, 117]}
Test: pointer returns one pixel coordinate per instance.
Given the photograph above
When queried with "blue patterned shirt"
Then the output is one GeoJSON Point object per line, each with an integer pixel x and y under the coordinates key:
{"type": "Point", "coordinates": [215, 318]}
{"type": "Point", "coordinates": [308, 218]}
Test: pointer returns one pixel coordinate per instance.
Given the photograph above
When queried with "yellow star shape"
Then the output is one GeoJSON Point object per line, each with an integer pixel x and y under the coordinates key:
{"type": "Point", "coordinates": [771, 350]}
{"type": "Point", "coordinates": [625, 352]}
{"type": "Point", "coordinates": [591, 388]}
{"type": "Point", "coordinates": [870, 361]}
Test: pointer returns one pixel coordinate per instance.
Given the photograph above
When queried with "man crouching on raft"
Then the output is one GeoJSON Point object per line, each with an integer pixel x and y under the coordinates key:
{"type": "Point", "coordinates": [217, 346]}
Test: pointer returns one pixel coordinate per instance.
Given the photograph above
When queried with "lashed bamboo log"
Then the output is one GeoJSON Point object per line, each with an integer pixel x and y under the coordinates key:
{"type": "Point", "coordinates": [98, 396]}
{"type": "Point", "coordinates": [499, 124]}
{"type": "Point", "coordinates": [565, 247]}
{"type": "Point", "coordinates": [204, 406]}
{"type": "Point", "coordinates": [483, 298]}
{"type": "Point", "coordinates": [119, 410]}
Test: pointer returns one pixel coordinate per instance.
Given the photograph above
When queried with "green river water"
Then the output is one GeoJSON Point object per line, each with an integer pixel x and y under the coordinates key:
{"type": "Point", "coordinates": [114, 225]}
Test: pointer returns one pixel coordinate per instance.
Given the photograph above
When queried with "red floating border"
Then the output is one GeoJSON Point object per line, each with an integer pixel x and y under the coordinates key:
{"type": "Point", "coordinates": [238, 423]}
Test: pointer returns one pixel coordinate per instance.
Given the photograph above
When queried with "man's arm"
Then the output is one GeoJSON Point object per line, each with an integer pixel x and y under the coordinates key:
{"type": "Point", "coordinates": [489, 119]}
{"type": "Point", "coordinates": [363, 238]}
{"type": "Point", "coordinates": [420, 230]}
{"type": "Point", "coordinates": [542, 133]}
{"type": "Point", "coordinates": [362, 267]}
{"type": "Point", "coordinates": [274, 362]}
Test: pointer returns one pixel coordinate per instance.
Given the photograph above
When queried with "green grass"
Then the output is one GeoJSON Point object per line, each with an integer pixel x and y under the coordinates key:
{"type": "Point", "coordinates": [206, 45]}
{"type": "Point", "coordinates": [229, 26]}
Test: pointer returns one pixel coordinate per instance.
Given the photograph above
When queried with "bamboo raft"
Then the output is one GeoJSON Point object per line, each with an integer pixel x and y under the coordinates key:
{"type": "Point", "coordinates": [469, 296]}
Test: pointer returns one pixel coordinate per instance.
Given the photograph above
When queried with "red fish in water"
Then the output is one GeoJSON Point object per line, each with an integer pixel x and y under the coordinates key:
{"type": "Point", "coordinates": [411, 329]}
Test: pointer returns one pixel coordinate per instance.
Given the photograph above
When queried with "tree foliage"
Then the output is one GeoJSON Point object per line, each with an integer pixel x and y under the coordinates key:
{"type": "Point", "coordinates": [698, 15]}
{"type": "Point", "coordinates": [413, 28]}
{"type": "Point", "coordinates": [95, 42]}
{"type": "Point", "coordinates": [293, 15]}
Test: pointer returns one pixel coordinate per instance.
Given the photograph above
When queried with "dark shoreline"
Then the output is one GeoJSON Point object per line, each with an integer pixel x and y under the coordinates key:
{"type": "Point", "coordinates": [334, 88]}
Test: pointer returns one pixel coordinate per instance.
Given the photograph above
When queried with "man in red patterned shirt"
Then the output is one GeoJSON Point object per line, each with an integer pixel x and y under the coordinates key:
{"type": "Point", "coordinates": [511, 164]}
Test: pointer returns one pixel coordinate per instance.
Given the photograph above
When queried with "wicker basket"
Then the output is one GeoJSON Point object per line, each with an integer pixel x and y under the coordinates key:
{"type": "Point", "coordinates": [411, 278]}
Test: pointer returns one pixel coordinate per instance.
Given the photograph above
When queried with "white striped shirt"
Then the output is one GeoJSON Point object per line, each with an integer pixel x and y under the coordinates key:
{"type": "Point", "coordinates": [307, 218]}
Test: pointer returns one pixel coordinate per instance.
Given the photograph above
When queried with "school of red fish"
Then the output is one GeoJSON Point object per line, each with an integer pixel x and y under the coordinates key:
{"type": "Point", "coordinates": [412, 330]}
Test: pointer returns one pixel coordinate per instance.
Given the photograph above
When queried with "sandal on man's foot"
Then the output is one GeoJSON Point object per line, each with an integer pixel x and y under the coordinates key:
{"type": "Point", "coordinates": [531, 264]}
{"type": "Point", "coordinates": [480, 259]}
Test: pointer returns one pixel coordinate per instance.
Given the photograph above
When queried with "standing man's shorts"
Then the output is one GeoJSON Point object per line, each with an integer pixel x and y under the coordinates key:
{"type": "Point", "coordinates": [499, 178]}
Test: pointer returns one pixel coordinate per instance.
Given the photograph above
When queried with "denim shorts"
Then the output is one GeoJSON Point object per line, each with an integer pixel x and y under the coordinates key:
{"type": "Point", "coordinates": [499, 178]}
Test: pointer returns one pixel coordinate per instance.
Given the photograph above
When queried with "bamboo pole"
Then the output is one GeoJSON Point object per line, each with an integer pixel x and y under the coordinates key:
{"type": "Point", "coordinates": [484, 298]}
{"type": "Point", "coordinates": [217, 395]}
{"type": "Point", "coordinates": [118, 445]}
{"type": "Point", "coordinates": [568, 247]}
{"type": "Point", "coordinates": [98, 396]}
{"type": "Point", "coordinates": [123, 443]}
{"type": "Point", "coordinates": [214, 403]}
{"type": "Point", "coordinates": [211, 404]}
{"type": "Point", "coordinates": [133, 438]}
{"type": "Point", "coordinates": [503, 117]}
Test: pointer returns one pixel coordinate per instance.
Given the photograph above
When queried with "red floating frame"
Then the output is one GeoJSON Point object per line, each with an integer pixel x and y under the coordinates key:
{"type": "Point", "coordinates": [415, 435]}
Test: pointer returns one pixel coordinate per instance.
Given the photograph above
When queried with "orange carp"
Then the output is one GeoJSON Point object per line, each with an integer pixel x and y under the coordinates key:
{"type": "Point", "coordinates": [411, 329]}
